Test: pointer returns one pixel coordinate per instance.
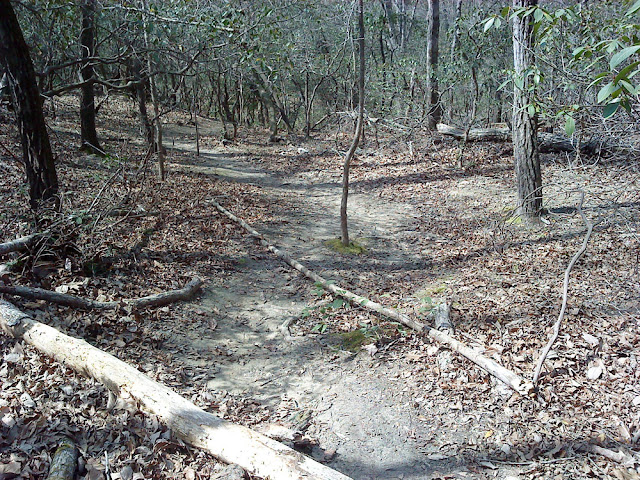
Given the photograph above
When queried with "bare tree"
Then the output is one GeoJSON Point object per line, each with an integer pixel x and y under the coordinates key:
{"type": "Point", "coordinates": [358, 133]}
{"type": "Point", "coordinates": [36, 149]}
{"type": "Point", "coordinates": [433, 40]}
{"type": "Point", "coordinates": [157, 122]}
{"type": "Point", "coordinates": [88, 134]}
{"type": "Point", "coordinates": [525, 141]}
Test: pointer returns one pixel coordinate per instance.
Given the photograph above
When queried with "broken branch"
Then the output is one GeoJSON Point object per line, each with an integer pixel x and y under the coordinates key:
{"type": "Point", "coordinates": [19, 244]}
{"type": "Point", "coordinates": [565, 291]}
{"type": "Point", "coordinates": [157, 300]}
{"type": "Point", "coordinates": [64, 461]}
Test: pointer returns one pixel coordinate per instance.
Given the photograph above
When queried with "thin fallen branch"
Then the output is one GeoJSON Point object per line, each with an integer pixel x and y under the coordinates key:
{"type": "Point", "coordinates": [565, 291]}
{"type": "Point", "coordinates": [228, 442]}
{"type": "Point", "coordinates": [19, 244]}
{"type": "Point", "coordinates": [157, 300]}
{"type": "Point", "coordinates": [508, 377]}
{"type": "Point", "coordinates": [619, 457]}
{"type": "Point", "coordinates": [64, 461]}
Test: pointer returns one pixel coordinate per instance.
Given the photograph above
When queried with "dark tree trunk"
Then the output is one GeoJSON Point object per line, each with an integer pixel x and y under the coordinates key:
{"type": "Point", "coordinates": [358, 133]}
{"type": "Point", "coordinates": [36, 149]}
{"type": "Point", "coordinates": [140, 93]}
{"type": "Point", "coordinates": [88, 134]}
{"type": "Point", "coordinates": [525, 142]}
{"type": "Point", "coordinates": [433, 40]}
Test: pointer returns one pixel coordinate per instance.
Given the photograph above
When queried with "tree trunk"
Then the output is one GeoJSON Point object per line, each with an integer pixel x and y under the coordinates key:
{"type": "Point", "coordinates": [433, 40]}
{"type": "Point", "coordinates": [141, 96]}
{"type": "Point", "coordinates": [88, 134]}
{"type": "Point", "coordinates": [525, 142]}
{"type": "Point", "coordinates": [455, 38]}
{"type": "Point", "coordinates": [36, 149]}
{"type": "Point", "coordinates": [356, 138]}
{"type": "Point", "coordinates": [154, 98]}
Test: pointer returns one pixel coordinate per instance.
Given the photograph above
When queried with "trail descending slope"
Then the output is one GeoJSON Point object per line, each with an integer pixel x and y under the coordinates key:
{"type": "Point", "coordinates": [358, 407]}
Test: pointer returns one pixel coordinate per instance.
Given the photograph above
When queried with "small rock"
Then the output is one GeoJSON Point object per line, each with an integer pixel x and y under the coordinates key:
{"type": "Point", "coordinates": [230, 472]}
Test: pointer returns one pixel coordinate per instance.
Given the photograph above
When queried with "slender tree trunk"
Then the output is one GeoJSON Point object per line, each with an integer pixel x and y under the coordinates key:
{"type": "Point", "coordinates": [141, 96]}
{"type": "Point", "coordinates": [356, 138]}
{"type": "Point", "coordinates": [433, 40]}
{"type": "Point", "coordinates": [88, 134]}
{"type": "Point", "coordinates": [455, 38]}
{"type": "Point", "coordinates": [157, 123]}
{"type": "Point", "coordinates": [525, 142]}
{"type": "Point", "coordinates": [36, 149]}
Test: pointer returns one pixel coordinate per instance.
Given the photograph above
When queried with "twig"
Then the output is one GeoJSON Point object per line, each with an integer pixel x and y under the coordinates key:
{"type": "Point", "coordinates": [565, 290]}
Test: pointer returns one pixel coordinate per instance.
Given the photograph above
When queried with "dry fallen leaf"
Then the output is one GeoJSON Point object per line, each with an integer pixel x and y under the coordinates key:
{"type": "Point", "coordinates": [595, 370]}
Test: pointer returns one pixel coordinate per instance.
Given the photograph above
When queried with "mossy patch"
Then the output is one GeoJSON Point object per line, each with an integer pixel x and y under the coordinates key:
{"type": "Point", "coordinates": [354, 248]}
{"type": "Point", "coordinates": [353, 341]}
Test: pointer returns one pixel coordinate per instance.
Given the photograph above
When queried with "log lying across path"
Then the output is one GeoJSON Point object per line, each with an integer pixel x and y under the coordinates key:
{"type": "Point", "coordinates": [548, 142]}
{"type": "Point", "coordinates": [508, 377]}
{"type": "Point", "coordinates": [157, 300]}
{"type": "Point", "coordinates": [256, 453]}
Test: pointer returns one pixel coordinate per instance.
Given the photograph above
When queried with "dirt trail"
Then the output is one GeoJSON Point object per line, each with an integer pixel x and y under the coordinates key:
{"type": "Point", "coordinates": [357, 406]}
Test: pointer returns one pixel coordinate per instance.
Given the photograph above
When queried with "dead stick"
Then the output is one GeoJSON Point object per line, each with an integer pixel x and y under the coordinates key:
{"type": "Point", "coordinates": [64, 461]}
{"type": "Point", "coordinates": [157, 300]}
{"type": "Point", "coordinates": [19, 244]}
{"type": "Point", "coordinates": [619, 457]}
{"type": "Point", "coordinates": [508, 377]}
{"type": "Point", "coordinates": [565, 291]}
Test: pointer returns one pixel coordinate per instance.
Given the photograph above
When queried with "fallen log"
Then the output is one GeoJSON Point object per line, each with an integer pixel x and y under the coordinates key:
{"type": "Point", "coordinates": [231, 443]}
{"type": "Point", "coordinates": [157, 300]}
{"type": "Point", "coordinates": [64, 461]}
{"type": "Point", "coordinates": [508, 377]}
{"type": "Point", "coordinates": [19, 244]}
{"type": "Point", "coordinates": [476, 134]}
{"type": "Point", "coordinates": [548, 142]}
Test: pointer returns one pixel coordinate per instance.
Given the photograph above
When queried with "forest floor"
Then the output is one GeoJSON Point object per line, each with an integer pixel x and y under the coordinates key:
{"type": "Point", "coordinates": [265, 347]}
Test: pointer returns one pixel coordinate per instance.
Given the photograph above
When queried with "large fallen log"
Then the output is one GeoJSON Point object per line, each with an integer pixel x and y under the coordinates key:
{"type": "Point", "coordinates": [508, 377]}
{"type": "Point", "coordinates": [548, 142]}
{"type": "Point", "coordinates": [231, 443]}
{"type": "Point", "coordinates": [156, 300]}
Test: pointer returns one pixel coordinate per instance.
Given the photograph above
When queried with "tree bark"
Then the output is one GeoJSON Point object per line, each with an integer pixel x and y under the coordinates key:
{"type": "Point", "coordinates": [157, 121]}
{"type": "Point", "coordinates": [64, 461]}
{"type": "Point", "coordinates": [141, 96]}
{"type": "Point", "coordinates": [525, 141]}
{"type": "Point", "coordinates": [36, 149]}
{"type": "Point", "coordinates": [88, 134]}
{"type": "Point", "coordinates": [433, 40]}
{"type": "Point", "coordinates": [344, 228]}
{"type": "Point", "coordinates": [457, 33]}
{"type": "Point", "coordinates": [256, 453]}
{"type": "Point", "coordinates": [19, 244]}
